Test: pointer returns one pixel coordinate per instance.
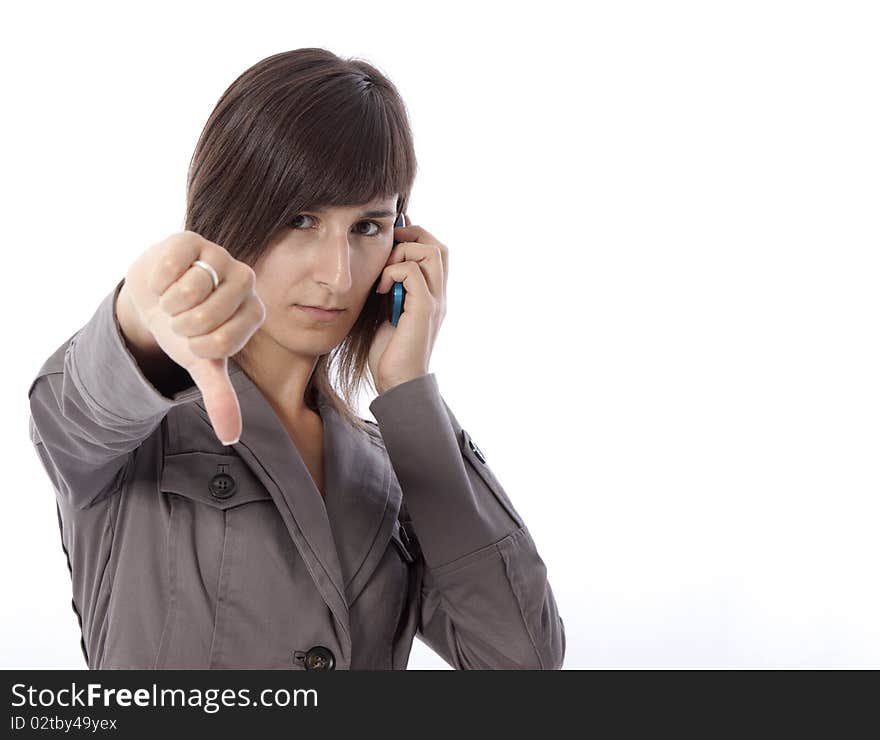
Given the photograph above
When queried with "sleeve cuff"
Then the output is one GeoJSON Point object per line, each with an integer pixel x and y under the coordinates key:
{"type": "Point", "coordinates": [105, 371]}
{"type": "Point", "coordinates": [456, 507]}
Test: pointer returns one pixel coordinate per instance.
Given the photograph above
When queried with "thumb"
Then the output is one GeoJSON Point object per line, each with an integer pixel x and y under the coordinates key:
{"type": "Point", "coordinates": [221, 402]}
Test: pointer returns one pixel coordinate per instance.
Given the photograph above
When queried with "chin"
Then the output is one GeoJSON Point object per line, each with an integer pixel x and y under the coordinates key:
{"type": "Point", "coordinates": [315, 342]}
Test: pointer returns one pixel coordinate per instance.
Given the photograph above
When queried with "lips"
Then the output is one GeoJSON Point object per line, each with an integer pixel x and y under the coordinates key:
{"type": "Point", "coordinates": [319, 314]}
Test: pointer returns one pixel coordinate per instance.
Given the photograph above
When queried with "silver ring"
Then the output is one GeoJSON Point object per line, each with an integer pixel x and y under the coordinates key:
{"type": "Point", "coordinates": [211, 271]}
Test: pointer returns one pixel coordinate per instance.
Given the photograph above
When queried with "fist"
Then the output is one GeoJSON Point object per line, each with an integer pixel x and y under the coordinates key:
{"type": "Point", "coordinates": [196, 325]}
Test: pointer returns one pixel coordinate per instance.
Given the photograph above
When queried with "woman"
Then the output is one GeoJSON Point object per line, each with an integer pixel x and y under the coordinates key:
{"type": "Point", "coordinates": [220, 504]}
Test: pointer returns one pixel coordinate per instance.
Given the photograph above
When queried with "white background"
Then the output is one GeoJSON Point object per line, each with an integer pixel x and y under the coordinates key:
{"type": "Point", "coordinates": [662, 321]}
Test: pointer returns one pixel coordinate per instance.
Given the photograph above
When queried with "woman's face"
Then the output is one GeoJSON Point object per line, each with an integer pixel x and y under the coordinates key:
{"type": "Point", "coordinates": [328, 258]}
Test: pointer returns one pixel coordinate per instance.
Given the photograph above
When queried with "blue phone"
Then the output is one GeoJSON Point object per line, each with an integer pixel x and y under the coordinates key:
{"type": "Point", "coordinates": [398, 293]}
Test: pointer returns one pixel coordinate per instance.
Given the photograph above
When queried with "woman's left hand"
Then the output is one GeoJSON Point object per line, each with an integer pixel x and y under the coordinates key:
{"type": "Point", "coordinates": [420, 262]}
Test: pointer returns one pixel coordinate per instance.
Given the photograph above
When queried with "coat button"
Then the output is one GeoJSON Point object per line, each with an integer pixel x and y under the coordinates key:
{"type": "Point", "coordinates": [476, 451]}
{"type": "Point", "coordinates": [320, 658]}
{"type": "Point", "coordinates": [222, 486]}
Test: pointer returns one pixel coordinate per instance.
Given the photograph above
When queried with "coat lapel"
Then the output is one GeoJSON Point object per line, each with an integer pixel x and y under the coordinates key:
{"type": "Point", "coordinates": [340, 538]}
{"type": "Point", "coordinates": [362, 498]}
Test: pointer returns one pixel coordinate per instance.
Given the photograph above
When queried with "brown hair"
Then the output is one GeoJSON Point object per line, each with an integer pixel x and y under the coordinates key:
{"type": "Point", "coordinates": [298, 130]}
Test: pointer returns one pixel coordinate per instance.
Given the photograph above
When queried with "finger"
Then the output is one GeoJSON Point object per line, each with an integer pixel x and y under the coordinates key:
{"type": "Point", "coordinates": [221, 401]}
{"type": "Point", "coordinates": [418, 296]}
{"type": "Point", "coordinates": [191, 290]}
{"type": "Point", "coordinates": [220, 305]}
{"type": "Point", "coordinates": [420, 235]}
{"type": "Point", "coordinates": [178, 253]}
{"type": "Point", "coordinates": [429, 259]}
{"type": "Point", "coordinates": [230, 337]}
{"type": "Point", "coordinates": [415, 233]}
{"type": "Point", "coordinates": [177, 260]}
{"type": "Point", "coordinates": [406, 219]}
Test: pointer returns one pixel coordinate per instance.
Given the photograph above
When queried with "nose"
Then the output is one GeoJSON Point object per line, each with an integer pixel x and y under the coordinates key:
{"type": "Point", "coordinates": [332, 259]}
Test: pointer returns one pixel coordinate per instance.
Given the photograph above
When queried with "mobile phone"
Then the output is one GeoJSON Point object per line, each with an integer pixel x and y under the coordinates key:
{"type": "Point", "coordinates": [397, 292]}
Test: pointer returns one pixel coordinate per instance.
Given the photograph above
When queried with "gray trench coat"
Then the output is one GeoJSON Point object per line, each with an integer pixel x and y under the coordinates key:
{"type": "Point", "coordinates": [185, 553]}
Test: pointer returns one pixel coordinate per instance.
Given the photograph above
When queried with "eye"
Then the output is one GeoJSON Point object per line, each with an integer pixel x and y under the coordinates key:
{"type": "Point", "coordinates": [293, 223]}
{"type": "Point", "coordinates": [379, 228]}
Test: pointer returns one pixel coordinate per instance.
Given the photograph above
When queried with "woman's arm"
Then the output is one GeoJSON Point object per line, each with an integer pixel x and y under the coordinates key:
{"type": "Point", "coordinates": [92, 404]}
{"type": "Point", "coordinates": [486, 601]}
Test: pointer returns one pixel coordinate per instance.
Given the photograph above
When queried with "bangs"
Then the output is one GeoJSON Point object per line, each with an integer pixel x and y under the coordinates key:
{"type": "Point", "coordinates": [346, 154]}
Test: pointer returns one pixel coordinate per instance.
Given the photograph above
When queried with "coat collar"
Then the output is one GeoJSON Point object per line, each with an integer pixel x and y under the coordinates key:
{"type": "Point", "coordinates": [341, 537]}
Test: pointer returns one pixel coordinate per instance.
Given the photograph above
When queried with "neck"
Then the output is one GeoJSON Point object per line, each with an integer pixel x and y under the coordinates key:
{"type": "Point", "coordinates": [281, 375]}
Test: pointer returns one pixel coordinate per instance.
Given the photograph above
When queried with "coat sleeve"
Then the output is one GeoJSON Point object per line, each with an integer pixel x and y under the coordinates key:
{"type": "Point", "coordinates": [485, 600]}
{"type": "Point", "coordinates": [91, 406]}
